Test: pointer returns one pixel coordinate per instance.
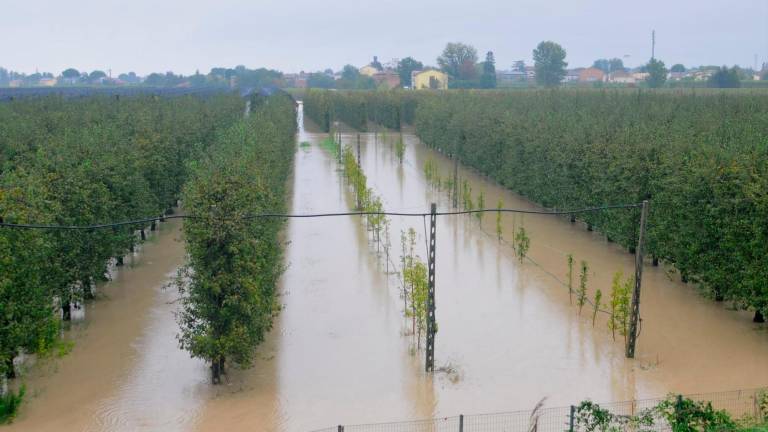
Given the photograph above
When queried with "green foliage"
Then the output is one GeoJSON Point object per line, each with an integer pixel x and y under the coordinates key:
{"type": "Point", "coordinates": [609, 65]}
{"type": "Point", "coordinates": [725, 78]}
{"type": "Point", "coordinates": [405, 67]}
{"type": "Point", "coordinates": [400, 149]}
{"type": "Point", "coordinates": [581, 292]}
{"type": "Point", "coordinates": [675, 413]}
{"type": "Point", "coordinates": [85, 161]}
{"type": "Point", "coordinates": [549, 61]}
{"type": "Point", "coordinates": [480, 206]}
{"type": "Point", "coordinates": [657, 73]}
{"type": "Point", "coordinates": [522, 243]}
{"type": "Point", "coordinates": [596, 305]}
{"type": "Point", "coordinates": [621, 290]}
{"type": "Point", "coordinates": [10, 403]}
{"type": "Point", "coordinates": [466, 195]}
{"type": "Point", "coordinates": [488, 78]}
{"type": "Point", "coordinates": [458, 61]}
{"type": "Point", "coordinates": [228, 286]}
{"type": "Point", "coordinates": [356, 109]}
{"type": "Point", "coordinates": [677, 68]}
{"type": "Point", "coordinates": [700, 158]}
{"type": "Point", "coordinates": [591, 417]}
{"type": "Point", "coordinates": [686, 415]}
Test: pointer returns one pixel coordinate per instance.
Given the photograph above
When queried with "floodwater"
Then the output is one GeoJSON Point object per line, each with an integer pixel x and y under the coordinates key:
{"type": "Point", "coordinates": [340, 352]}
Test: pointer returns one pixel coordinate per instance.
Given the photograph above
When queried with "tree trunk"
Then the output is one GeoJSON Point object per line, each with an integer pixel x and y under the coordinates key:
{"type": "Point", "coordinates": [215, 372]}
{"type": "Point", "coordinates": [66, 310]}
{"type": "Point", "coordinates": [120, 261]}
{"type": "Point", "coordinates": [719, 295]}
{"type": "Point", "coordinates": [88, 289]}
{"type": "Point", "coordinates": [655, 261]}
{"type": "Point", "coordinates": [759, 318]}
{"type": "Point", "coordinates": [589, 227]}
{"type": "Point", "coordinates": [153, 226]}
{"type": "Point", "coordinates": [10, 370]}
{"type": "Point", "coordinates": [143, 234]}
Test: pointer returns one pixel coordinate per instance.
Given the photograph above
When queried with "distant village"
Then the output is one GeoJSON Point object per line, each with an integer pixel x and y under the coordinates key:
{"type": "Point", "coordinates": [389, 75]}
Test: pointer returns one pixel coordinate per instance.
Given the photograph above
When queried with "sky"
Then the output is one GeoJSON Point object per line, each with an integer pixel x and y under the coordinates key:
{"type": "Point", "coordinates": [147, 36]}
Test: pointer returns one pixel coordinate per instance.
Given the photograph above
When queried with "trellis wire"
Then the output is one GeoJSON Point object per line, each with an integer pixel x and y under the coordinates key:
{"type": "Point", "coordinates": [310, 215]}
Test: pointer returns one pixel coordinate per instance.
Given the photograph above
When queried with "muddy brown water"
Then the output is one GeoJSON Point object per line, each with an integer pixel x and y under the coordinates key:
{"type": "Point", "coordinates": [339, 352]}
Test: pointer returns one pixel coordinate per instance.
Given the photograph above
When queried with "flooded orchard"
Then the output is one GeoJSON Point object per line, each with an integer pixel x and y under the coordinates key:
{"type": "Point", "coordinates": [341, 351]}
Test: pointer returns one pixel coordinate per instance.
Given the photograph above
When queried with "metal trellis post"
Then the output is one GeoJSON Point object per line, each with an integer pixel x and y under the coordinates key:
{"type": "Point", "coordinates": [632, 337]}
{"type": "Point", "coordinates": [431, 324]}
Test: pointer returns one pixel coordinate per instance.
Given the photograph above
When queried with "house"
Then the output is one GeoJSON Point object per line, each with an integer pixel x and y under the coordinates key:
{"type": "Point", "coordinates": [530, 72]}
{"type": "Point", "coordinates": [590, 75]}
{"type": "Point", "coordinates": [621, 77]}
{"type": "Point", "coordinates": [368, 70]}
{"type": "Point", "coordinates": [640, 76]}
{"type": "Point", "coordinates": [429, 79]}
{"type": "Point", "coordinates": [387, 78]}
{"type": "Point", "coordinates": [47, 82]}
{"type": "Point", "coordinates": [676, 76]}
{"type": "Point", "coordinates": [572, 75]}
{"type": "Point", "coordinates": [511, 76]}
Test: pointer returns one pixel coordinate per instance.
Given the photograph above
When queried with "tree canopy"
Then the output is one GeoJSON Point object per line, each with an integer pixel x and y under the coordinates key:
{"type": "Point", "coordinates": [405, 67]}
{"type": "Point", "coordinates": [657, 73]}
{"type": "Point", "coordinates": [609, 65]}
{"type": "Point", "coordinates": [549, 61]}
{"type": "Point", "coordinates": [725, 78]}
{"type": "Point", "coordinates": [458, 60]}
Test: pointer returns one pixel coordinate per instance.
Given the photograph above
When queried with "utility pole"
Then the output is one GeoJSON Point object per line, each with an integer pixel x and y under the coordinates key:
{"type": "Point", "coordinates": [431, 323]}
{"type": "Point", "coordinates": [653, 44]}
{"type": "Point", "coordinates": [635, 312]}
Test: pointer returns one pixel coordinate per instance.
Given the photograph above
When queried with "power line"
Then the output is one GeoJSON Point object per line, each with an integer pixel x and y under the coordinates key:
{"type": "Point", "coordinates": [311, 215]}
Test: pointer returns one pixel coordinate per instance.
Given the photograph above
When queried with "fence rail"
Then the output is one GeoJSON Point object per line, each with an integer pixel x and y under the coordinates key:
{"type": "Point", "coordinates": [740, 404]}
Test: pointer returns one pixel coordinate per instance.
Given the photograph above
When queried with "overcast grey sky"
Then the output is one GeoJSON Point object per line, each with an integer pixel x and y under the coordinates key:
{"type": "Point", "coordinates": [292, 35]}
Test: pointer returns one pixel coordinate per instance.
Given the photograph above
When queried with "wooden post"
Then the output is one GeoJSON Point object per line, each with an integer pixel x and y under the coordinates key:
{"type": "Point", "coordinates": [431, 324]}
{"type": "Point", "coordinates": [635, 311]}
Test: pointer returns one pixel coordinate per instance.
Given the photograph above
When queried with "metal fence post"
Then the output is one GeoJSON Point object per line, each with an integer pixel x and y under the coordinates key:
{"type": "Point", "coordinates": [635, 311]}
{"type": "Point", "coordinates": [461, 422]}
{"type": "Point", "coordinates": [570, 421]}
{"type": "Point", "coordinates": [431, 324]}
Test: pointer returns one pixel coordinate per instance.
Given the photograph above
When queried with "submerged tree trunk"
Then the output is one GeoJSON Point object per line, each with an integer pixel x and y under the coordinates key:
{"type": "Point", "coordinates": [10, 370]}
{"type": "Point", "coordinates": [217, 369]}
{"type": "Point", "coordinates": [759, 318]}
{"type": "Point", "coordinates": [66, 310]}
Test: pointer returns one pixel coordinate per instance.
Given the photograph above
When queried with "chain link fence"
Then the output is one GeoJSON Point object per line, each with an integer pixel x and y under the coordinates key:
{"type": "Point", "coordinates": [749, 404]}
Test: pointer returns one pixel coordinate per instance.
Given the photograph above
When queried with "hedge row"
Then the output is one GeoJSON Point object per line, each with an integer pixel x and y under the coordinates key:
{"type": "Point", "coordinates": [229, 285]}
{"type": "Point", "coordinates": [700, 157]}
{"type": "Point", "coordinates": [358, 108]}
{"type": "Point", "coordinates": [81, 162]}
